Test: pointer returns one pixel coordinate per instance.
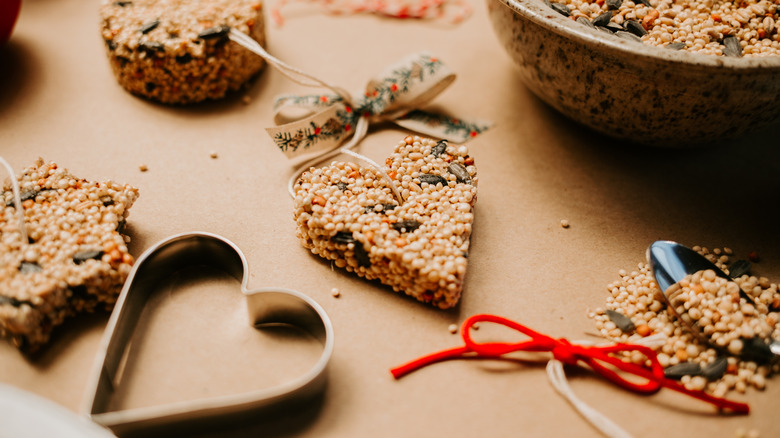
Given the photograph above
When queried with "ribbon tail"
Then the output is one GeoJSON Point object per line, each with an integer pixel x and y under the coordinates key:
{"type": "Point", "coordinates": [721, 403]}
{"type": "Point", "coordinates": [557, 378]}
{"type": "Point", "coordinates": [442, 126]}
{"type": "Point", "coordinates": [316, 134]}
{"type": "Point", "coordinates": [441, 356]}
{"type": "Point", "coordinates": [289, 108]}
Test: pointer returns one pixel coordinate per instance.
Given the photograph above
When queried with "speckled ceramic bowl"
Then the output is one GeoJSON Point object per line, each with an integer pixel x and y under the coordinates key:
{"type": "Point", "coordinates": [633, 91]}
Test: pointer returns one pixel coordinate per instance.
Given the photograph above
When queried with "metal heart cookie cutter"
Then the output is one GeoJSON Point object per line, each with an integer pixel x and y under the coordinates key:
{"type": "Point", "coordinates": [265, 306]}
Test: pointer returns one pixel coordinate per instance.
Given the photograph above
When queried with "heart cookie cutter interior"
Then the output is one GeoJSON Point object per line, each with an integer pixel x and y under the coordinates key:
{"type": "Point", "coordinates": [266, 306]}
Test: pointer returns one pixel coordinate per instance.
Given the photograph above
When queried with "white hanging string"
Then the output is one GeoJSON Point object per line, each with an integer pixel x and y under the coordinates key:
{"type": "Point", "coordinates": [300, 77]}
{"type": "Point", "coordinates": [294, 74]}
{"type": "Point", "coordinates": [360, 132]}
{"type": "Point", "coordinates": [17, 200]}
{"type": "Point", "coordinates": [557, 377]}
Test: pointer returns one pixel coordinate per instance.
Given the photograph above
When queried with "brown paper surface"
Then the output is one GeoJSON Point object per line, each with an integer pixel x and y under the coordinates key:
{"type": "Point", "coordinates": [59, 100]}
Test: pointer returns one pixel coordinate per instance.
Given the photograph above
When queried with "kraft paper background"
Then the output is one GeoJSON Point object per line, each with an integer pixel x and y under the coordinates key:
{"type": "Point", "coordinates": [59, 100]}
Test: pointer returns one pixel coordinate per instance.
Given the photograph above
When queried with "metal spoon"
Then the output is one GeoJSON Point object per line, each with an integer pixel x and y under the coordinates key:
{"type": "Point", "coordinates": [671, 262]}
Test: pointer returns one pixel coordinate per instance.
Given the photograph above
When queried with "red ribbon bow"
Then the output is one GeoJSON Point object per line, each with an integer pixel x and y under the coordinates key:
{"type": "Point", "coordinates": [600, 359]}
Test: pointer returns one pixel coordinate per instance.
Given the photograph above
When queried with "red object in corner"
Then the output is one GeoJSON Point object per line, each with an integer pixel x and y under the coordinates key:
{"type": "Point", "coordinates": [9, 12]}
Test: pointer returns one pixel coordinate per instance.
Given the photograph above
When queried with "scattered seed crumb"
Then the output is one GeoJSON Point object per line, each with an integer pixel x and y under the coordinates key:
{"type": "Point", "coordinates": [143, 168]}
{"type": "Point", "coordinates": [213, 154]}
{"type": "Point", "coordinates": [246, 100]}
{"type": "Point", "coordinates": [335, 292]}
{"type": "Point", "coordinates": [564, 223]}
{"type": "Point", "coordinates": [475, 326]}
{"type": "Point", "coordinates": [744, 433]}
{"type": "Point", "coordinates": [453, 328]}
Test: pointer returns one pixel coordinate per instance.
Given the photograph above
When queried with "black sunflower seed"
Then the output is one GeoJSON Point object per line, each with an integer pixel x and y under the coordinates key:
{"type": "Point", "coordinates": [614, 4]}
{"type": "Point", "coordinates": [460, 172]}
{"type": "Point", "coordinates": [677, 372]}
{"type": "Point", "coordinates": [82, 256]}
{"type": "Point", "coordinates": [342, 186]}
{"type": "Point", "coordinates": [343, 237]}
{"type": "Point", "coordinates": [585, 21]}
{"type": "Point", "coordinates": [361, 255]}
{"type": "Point", "coordinates": [214, 32]}
{"type": "Point", "coordinates": [122, 4]}
{"type": "Point", "coordinates": [603, 19]}
{"type": "Point", "coordinates": [676, 45]}
{"type": "Point", "coordinates": [29, 268]}
{"type": "Point", "coordinates": [622, 322]}
{"type": "Point", "coordinates": [183, 59]}
{"type": "Point", "coordinates": [646, 3]}
{"type": "Point", "coordinates": [439, 149]}
{"type": "Point", "coordinates": [406, 226]}
{"type": "Point", "coordinates": [149, 26]}
{"type": "Point", "coordinates": [150, 86]}
{"type": "Point", "coordinates": [716, 369]}
{"type": "Point", "coordinates": [604, 30]}
{"type": "Point", "coordinates": [561, 9]}
{"type": "Point", "coordinates": [614, 27]}
{"type": "Point", "coordinates": [28, 194]}
{"type": "Point", "coordinates": [12, 301]}
{"type": "Point", "coordinates": [731, 46]}
{"type": "Point", "coordinates": [756, 349]}
{"type": "Point", "coordinates": [635, 27]}
{"type": "Point", "coordinates": [432, 179]}
{"type": "Point", "coordinates": [739, 268]}
{"type": "Point", "coordinates": [628, 36]}
{"type": "Point", "coordinates": [151, 46]}
{"type": "Point", "coordinates": [111, 45]}
{"type": "Point", "coordinates": [107, 200]}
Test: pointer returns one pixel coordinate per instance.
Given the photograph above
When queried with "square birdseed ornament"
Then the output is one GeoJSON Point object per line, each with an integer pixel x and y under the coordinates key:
{"type": "Point", "coordinates": [418, 245]}
{"type": "Point", "coordinates": [71, 256]}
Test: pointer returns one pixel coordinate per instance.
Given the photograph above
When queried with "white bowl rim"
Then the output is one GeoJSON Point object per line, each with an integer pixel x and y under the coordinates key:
{"type": "Point", "coordinates": [539, 13]}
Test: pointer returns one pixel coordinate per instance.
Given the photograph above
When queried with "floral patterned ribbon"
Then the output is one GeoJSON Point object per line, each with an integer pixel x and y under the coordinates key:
{"type": "Point", "coordinates": [332, 118]}
{"type": "Point", "coordinates": [453, 11]}
{"type": "Point", "coordinates": [394, 95]}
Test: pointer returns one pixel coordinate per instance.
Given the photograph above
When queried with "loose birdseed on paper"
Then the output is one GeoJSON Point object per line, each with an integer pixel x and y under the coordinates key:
{"type": "Point", "coordinates": [75, 260]}
{"type": "Point", "coordinates": [635, 309]}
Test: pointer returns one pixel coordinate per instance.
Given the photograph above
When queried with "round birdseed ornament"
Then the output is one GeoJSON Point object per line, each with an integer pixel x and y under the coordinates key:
{"type": "Point", "coordinates": [178, 51]}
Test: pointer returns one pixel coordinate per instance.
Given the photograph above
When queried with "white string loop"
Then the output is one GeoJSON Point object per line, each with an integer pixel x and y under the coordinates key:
{"type": "Point", "coordinates": [17, 200]}
{"type": "Point", "coordinates": [557, 377]}
{"type": "Point", "coordinates": [360, 132]}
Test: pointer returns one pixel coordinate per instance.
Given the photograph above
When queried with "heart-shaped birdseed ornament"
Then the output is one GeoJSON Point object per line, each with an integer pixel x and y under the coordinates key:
{"type": "Point", "coordinates": [419, 245]}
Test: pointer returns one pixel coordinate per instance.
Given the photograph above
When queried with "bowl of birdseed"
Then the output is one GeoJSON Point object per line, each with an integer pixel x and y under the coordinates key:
{"type": "Point", "coordinates": [656, 72]}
